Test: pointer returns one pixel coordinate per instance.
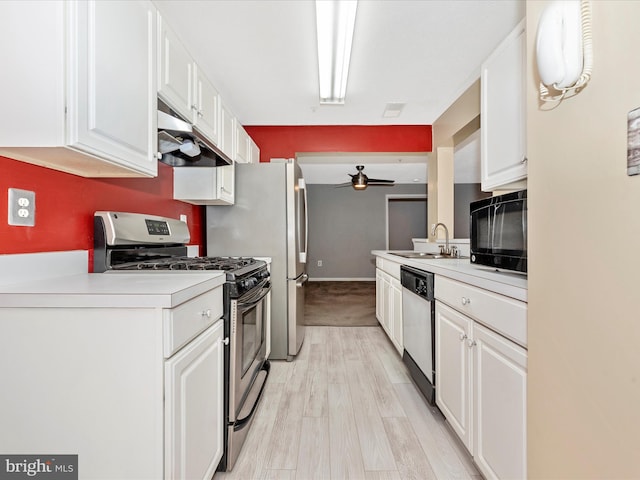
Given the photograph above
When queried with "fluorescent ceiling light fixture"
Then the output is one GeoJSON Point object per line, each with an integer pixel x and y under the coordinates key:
{"type": "Point", "coordinates": [335, 21]}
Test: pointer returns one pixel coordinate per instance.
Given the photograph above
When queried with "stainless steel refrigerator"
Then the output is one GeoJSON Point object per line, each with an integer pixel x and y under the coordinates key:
{"type": "Point", "coordinates": [269, 219]}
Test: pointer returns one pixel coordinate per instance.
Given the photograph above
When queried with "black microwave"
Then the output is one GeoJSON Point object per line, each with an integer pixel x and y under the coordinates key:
{"type": "Point", "coordinates": [499, 231]}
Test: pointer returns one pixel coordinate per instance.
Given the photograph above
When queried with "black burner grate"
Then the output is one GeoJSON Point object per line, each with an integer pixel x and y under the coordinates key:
{"type": "Point", "coordinates": [189, 263]}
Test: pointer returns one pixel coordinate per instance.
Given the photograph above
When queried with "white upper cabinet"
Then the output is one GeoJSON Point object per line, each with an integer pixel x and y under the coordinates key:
{"type": "Point", "coordinates": [183, 87]}
{"type": "Point", "coordinates": [205, 185]}
{"type": "Point", "coordinates": [81, 97]}
{"type": "Point", "coordinates": [206, 108]}
{"type": "Point", "coordinates": [243, 145]}
{"type": "Point", "coordinates": [255, 152]}
{"type": "Point", "coordinates": [503, 126]}
{"type": "Point", "coordinates": [175, 72]}
{"type": "Point", "coordinates": [227, 132]}
{"type": "Point", "coordinates": [246, 149]}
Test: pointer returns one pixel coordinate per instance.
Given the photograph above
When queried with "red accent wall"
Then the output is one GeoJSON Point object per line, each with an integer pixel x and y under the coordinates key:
{"type": "Point", "coordinates": [65, 205]}
{"type": "Point", "coordinates": [286, 141]}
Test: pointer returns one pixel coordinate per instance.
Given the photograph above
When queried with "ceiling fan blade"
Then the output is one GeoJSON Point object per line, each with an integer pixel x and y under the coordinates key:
{"type": "Point", "coordinates": [378, 180]}
{"type": "Point", "coordinates": [347, 184]}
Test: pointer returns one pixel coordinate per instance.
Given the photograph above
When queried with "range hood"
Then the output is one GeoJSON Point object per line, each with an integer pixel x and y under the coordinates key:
{"type": "Point", "coordinates": [181, 145]}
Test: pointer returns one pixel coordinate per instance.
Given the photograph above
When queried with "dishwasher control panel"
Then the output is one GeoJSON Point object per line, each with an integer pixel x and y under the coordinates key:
{"type": "Point", "coordinates": [417, 281]}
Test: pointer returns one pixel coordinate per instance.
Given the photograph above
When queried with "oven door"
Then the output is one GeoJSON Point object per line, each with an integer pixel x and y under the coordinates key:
{"type": "Point", "coordinates": [248, 345]}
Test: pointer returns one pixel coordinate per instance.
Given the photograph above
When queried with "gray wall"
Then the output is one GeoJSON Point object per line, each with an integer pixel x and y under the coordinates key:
{"type": "Point", "coordinates": [407, 220]}
{"type": "Point", "coordinates": [345, 225]}
{"type": "Point", "coordinates": [463, 195]}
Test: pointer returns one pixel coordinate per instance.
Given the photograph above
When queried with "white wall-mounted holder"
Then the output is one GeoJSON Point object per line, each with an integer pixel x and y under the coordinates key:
{"type": "Point", "coordinates": [564, 51]}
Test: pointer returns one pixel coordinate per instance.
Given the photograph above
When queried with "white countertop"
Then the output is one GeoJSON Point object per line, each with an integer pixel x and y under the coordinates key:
{"type": "Point", "coordinates": [115, 290]}
{"type": "Point", "coordinates": [513, 285]}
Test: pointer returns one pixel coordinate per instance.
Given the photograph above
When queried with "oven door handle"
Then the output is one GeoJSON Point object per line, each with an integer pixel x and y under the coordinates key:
{"type": "Point", "coordinates": [255, 298]}
{"type": "Point", "coordinates": [239, 424]}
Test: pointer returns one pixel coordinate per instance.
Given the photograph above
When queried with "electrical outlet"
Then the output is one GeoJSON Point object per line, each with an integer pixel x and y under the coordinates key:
{"type": "Point", "coordinates": [22, 207]}
{"type": "Point", "coordinates": [319, 263]}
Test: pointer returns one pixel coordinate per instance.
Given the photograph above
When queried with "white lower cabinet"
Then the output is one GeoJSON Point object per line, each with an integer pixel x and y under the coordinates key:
{"type": "Point", "coordinates": [500, 405]}
{"type": "Point", "coordinates": [453, 370]}
{"type": "Point", "coordinates": [395, 310]}
{"type": "Point", "coordinates": [135, 391]}
{"type": "Point", "coordinates": [482, 378]}
{"type": "Point", "coordinates": [389, 301]}
{"type": "Point", "coordinates": [194, 386]}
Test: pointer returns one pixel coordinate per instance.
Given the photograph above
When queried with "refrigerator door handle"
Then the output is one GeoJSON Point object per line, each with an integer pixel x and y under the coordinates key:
{"type": "Point", "coordinates": [303, 279]}
{"type": "Point", "coordinates": [303, 254]}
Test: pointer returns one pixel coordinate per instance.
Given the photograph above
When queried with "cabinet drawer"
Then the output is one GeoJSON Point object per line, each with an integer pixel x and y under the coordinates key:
{"type": "Point", "coordinates": [502, 314]}
{"type": "Point", "coordinates": [392, 268]}
{"type": "Point", "coordinates": [184, 322]}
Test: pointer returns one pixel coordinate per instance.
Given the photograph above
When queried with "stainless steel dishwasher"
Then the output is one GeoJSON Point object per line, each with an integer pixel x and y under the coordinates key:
{"type": "Point", "coordinates": [418, 316]}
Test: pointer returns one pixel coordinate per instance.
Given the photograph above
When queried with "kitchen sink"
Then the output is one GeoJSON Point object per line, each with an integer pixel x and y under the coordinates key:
{"type": "Point", "coordinates": [425, 255]}
{"type": "Point", "coordinates": [418, 255]}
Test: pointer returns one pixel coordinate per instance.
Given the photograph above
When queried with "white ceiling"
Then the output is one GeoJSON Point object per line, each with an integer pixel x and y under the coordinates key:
{"type": "Point", "coordinates": [335, 168]}
{"type": "Point", "coordinates": [262, 56]}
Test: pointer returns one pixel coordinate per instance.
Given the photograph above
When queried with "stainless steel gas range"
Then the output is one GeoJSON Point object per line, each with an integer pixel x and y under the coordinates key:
{"type": "Point", "coordinates": [130, 242]}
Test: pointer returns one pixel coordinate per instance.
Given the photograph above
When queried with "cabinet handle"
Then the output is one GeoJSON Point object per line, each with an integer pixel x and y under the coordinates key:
{"type": "Point", "coordinates": [524, 159]}
{"type": "Point", "coordinates": [200, 114]}
{"type": "Point", "coordinates": [226, 341]}
{"type": "Point", "coordinates": [471, 343]}
{"type": "Point", "coordinates": [466, 301]}
{"type": "Point", "coordinates": [194, 107]}
{"type": "Point", "coordinates": [206, 313]}
{"type": "Point", "coordinates": [463, 337]}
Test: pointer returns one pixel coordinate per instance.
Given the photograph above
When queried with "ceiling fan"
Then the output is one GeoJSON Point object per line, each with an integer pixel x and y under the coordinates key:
{"type": "Point", "coordinates": [360, 181]}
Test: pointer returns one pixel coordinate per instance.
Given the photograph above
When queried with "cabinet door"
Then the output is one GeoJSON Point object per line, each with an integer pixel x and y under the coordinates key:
{"type": "Point", "coordinates": [194, 408]}
{"type": "Point", "coordinates": [453, 370]}
{"type": "Point", "coordinates": [176, 73]}
{"type": "Point", "coordinates": [503, 150]}
{"type": "Point", "coordinates": [227, 132]}
{"type": "Point", "coordinates": [500, 405]}
{"type": "Point", "coordinates": [243, 145]}
{"type": "Point", "coordinates": [112, 95]}
{"type": "Point", "coordinates": [379, 295]}
{"type": "Point", "coordinates": [387, 305]}
{"type": "Point", "coordinates": [204, 185]}
{"type": "Point", "coordinates": [396, 315]}
{"type": "Point", "coordinates": [255, 152]}
{"type": "Point", "coordinates": [226, 183]}
{"type": "Point", "coordinates": [207, 108]}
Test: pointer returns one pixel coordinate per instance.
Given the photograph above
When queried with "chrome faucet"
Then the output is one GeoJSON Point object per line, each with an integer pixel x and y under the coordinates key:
{"type": "Point", "coordinates": [447, 250]}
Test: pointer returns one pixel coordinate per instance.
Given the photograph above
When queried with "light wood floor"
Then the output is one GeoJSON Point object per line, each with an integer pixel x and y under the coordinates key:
{"type": "Point", "coordinates": [345, 408]}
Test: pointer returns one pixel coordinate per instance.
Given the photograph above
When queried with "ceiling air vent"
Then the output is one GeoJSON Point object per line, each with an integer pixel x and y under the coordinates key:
{"type": "Point", "coordinates": [393, 110]}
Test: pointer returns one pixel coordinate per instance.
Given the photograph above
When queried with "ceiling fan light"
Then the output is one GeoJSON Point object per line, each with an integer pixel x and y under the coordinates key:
{"type": "Point", "coordinates": [359, 186]}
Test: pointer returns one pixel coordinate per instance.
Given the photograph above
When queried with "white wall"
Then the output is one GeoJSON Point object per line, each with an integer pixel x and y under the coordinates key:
{"type": "Point", "coordinates": [584, 269]}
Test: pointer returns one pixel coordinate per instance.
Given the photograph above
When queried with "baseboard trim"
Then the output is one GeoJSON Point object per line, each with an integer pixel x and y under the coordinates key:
{"type": "Point", "coordinates": [351, 279]}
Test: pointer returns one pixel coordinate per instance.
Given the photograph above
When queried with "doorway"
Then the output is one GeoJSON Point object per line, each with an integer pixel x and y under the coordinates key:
{"type": "Point", "coordinates": [406, 219]}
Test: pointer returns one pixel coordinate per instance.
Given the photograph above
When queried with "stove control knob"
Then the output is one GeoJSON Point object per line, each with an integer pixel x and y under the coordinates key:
{"type": "Point", "coordinates": [248, 283]}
